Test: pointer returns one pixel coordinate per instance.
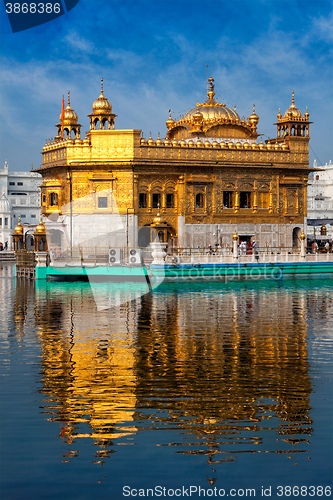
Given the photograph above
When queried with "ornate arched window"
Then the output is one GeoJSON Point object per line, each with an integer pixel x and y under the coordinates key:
{"type": "Point", "coordinates": [143, 200]}
{"type": "Point", "coordinates": [170, 200]}
{"type": "Point", "coordinates": [53, 199]}
{"type": "Point", "coordinates": [156, 199]}
{"type": "Point", "coordinates": [199, 200]}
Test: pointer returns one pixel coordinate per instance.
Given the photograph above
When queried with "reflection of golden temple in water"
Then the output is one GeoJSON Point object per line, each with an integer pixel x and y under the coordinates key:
{"type": "Point", "coordinates": [222, 367]}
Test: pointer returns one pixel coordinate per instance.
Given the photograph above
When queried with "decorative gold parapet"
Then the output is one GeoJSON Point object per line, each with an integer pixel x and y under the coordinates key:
{"type": "Point", "coordinates": [212, 151]}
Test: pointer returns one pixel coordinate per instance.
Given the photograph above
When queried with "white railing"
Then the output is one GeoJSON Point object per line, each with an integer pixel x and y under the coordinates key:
{"type": "Point", "coordinates": [194, 257]}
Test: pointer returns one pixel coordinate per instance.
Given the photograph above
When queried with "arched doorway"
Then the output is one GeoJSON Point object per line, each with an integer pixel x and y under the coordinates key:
{"type": "Point", "coordinates": [296, 237]}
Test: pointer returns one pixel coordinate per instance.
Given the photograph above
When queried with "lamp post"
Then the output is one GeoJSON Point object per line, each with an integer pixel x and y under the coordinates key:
{"type": "Point", "coordinates": [314, 240]}
{"type": "Point", "coordinates": [235, 248]}
{"type": "Point", "coordinates": [218, 232]}
{"type": "Point", "coordinates": [69, 178]}
{"type": "Point", "coordinates": [127, 227]}
{"type": "Point", "coordinates": [131, 211]}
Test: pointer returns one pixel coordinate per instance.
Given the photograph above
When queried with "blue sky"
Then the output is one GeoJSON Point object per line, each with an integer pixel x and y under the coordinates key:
{"type": "Point", "coordinates": [153, 54]}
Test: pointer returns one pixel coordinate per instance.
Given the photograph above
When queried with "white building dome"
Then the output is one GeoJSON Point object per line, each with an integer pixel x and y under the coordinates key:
{"type": "Point", "coordinates": [5, 205]}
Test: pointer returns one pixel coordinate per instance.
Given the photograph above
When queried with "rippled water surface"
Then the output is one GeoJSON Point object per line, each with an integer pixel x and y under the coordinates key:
{"type": "Point", "coordinates": [223, 387]}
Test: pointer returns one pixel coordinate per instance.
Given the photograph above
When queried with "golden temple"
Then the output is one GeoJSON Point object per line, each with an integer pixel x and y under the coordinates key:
{"type": "Point", "coordinates": [206, 177]}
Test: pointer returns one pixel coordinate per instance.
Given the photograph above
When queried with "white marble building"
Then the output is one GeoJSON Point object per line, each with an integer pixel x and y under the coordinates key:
{"type": "Point", "coordinates": [320, 199]}
{"type": "Point", "coordinates": [320, 192]}
{"type": "Point", "coordinates": [19, 197]}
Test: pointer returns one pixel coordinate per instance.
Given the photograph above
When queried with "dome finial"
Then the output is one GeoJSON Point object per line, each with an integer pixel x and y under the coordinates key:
{"type": "Point", "coordinates": [211, 91]}
{"type": "Point", "coordinates": [102, 86]}
{"type": "Point", "coordinates": [69, 98]}
{"type": "Point", "coordinates": [293, 98]}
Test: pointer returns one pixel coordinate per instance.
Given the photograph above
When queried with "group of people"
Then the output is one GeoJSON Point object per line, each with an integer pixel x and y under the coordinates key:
{"type": "Point", "coordinates": [322, 247]}
{"type": "Point", "coordinates": [247, 248]}
{"type": "Point", "coordinates": [3, 246]}
{"type": "Point", "coordinates": [213, 251]}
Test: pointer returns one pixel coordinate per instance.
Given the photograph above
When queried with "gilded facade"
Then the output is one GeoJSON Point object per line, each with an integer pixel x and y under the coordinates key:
{"type": "Point", "coordinates": [209, 174]}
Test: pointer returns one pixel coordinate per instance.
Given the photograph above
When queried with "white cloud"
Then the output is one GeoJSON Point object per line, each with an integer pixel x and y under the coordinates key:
{"type": "Point", "coordinates": [77, 42]}
{"type": "Point", "coordinates": [323, 28]}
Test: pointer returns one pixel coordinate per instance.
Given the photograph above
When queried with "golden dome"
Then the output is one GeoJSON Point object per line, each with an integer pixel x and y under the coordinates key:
{"type": "Point", "coordinates": [235, 236]}
{"type": "Point", "coordinates": [211, 109]}
{"type": "Point", "coordinates": [41, 227]}
{"type": "Point", "coordinates": [306, 114]}
{"type": "Point", "coordinates": [292, 111]}
{"type": "Point", "coordinates": [19, 228]}
{"type": "Point", "coordinates": [70, 117]}
{"type": "Point", "coordinates": [102, 104]}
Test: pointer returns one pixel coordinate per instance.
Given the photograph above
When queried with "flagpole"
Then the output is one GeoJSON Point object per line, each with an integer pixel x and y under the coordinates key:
{"type": "Point", "coordinates": [62, 117]}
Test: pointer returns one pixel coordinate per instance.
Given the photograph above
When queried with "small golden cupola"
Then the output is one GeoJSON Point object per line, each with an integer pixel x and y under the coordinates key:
{"type": "Point", "coordinates": [41, 226]}
{"type": "Point", "coordinates": [18, 238]}
{"type": "Point", "coordinates": [40, 243]}
{"type": "Point", "coordinates": [68, 128]}
{"type": "Point", "coordinates": [102, 117]}
{"type": "Point", "coordinates": [19, 228]}
{"type": "Point", "coordinates": [293, 124]}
